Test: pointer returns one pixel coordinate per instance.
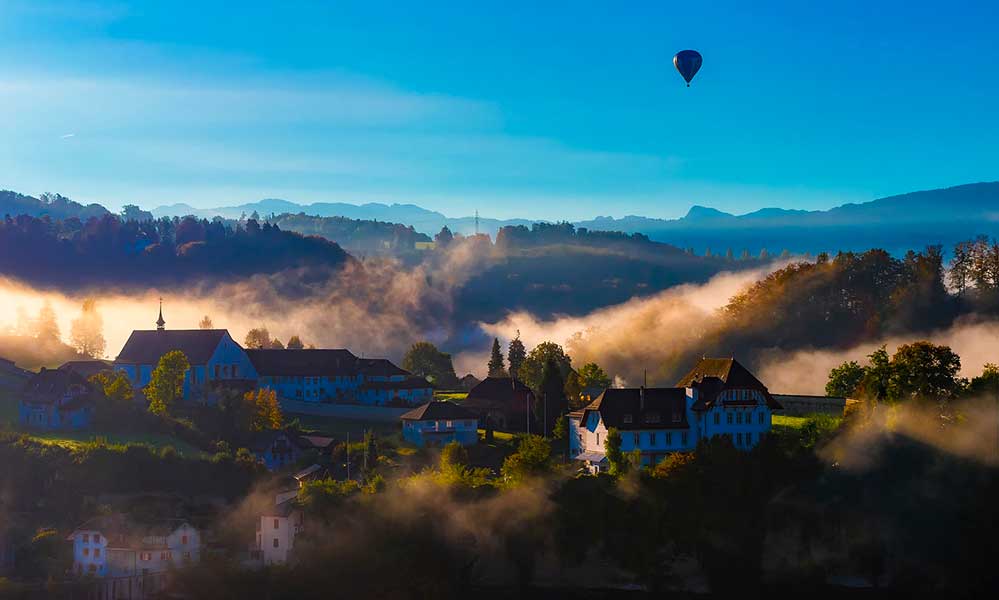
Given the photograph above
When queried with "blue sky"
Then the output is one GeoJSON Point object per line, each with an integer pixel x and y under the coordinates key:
{"type": "Point", "coordinates": [541, 110]}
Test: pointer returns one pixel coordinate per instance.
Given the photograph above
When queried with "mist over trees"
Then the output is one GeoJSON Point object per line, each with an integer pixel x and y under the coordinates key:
{"type": "Point", "coordinates": [86, 332]}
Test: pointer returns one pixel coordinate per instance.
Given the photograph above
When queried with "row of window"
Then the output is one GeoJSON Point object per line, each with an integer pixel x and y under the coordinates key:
{"type": "Point", "coordinates": [741, 395]}
{"type": "Point", "coordinates": [739, 417]}
{"type": "Point", "coordinates": [309, 380]}
{"type": "Point", "coordinates": [97, 552]}
{"type": "Point", "coordinates": [652, 417]}
{"type": "Point", "coordinates": [653, 437]}
{"type": "Point", "coordinates": [86, 538]}
{"type": "Point", "coordinates": [438, 424]}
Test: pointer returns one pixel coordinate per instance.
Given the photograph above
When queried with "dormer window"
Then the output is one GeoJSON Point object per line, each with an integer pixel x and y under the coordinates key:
{"type": "Point", "coordinates": [677, 416]}
{"type": "Point", "coordinates": [652, 417]}
{"type": "Point", "coordinates": [628, 418]}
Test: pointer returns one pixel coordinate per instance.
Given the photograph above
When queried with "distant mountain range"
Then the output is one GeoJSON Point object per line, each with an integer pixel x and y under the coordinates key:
{"type": "Point", "coordinates": [896, 223]}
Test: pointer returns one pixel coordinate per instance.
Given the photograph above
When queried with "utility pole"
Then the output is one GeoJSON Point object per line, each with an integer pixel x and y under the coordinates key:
{"type": "Point", "coordinates": [348, 455]}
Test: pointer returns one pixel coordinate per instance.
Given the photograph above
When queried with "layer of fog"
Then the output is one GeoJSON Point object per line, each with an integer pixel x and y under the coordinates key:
{"type": "Point", "coordinates": [805, 371]}
{"type": "Point", "coordinates": [375, 308]}
{"type": "Point", "coordinates": [643, 333]}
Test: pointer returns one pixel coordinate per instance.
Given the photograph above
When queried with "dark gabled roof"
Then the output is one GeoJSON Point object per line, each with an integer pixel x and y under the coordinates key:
{"type": "Point", "coordinates": [497, 390]}
{"type": "Point", "coordinates": [263, 440]}
{"type": "Point", "coordinates": [648, 408]}
{"type": "Point", "coordinates": [714, 375]}
{"type": "Point", "coordinates": [434, 411]}
{"type": "Point", "coordinates": [410, 383]}
{"type": "Point", "coordinates": [319, 442]}
{"type": "Point", "coordinates": [380, 367]}
{"type": "Point", "coordinates": [51, 385]}
{"type": "Point", "coordinates": [303, 363]}
{"type": "Point", "coordinates": [87, 368]}
{"type": "Point", "coordinates": [147, 346]}
{"type": "Point", "coordinates": [122, 531]}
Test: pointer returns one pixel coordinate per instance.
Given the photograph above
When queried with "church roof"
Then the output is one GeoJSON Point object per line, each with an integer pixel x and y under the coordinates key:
{"type": "Point", "coordinates": [305, 363]}
{"type": "Point", "coordinates": [145, 347]}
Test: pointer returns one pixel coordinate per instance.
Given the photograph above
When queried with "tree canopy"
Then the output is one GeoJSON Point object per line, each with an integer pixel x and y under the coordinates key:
{"type": "Point", "coordinates": [425, 360]}
{"type": "Point", "coordinates": [166, 387]}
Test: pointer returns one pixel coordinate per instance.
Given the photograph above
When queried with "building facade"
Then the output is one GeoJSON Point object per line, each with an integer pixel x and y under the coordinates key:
{"type": "Point", "coordinates": [278, 528]}
{"type": "Point", "coordinates": [438, 424]}
{"type": "Point", "coordinates": [718, 397]}
{"type": "Point", "coordinates": [56, 400]}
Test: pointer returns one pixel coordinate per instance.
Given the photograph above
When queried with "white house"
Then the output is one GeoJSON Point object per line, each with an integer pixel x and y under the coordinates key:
{"type": "Point", "coordinates": [134, 558]}
{"type": "Point", "coordinates": [277, 529]}
{"type": "Point", "coordinates": [212, 354]}
{"type": "Point", "coordinates": [440, 423]}
{"type": "Point", "coordinates": [717, 397]}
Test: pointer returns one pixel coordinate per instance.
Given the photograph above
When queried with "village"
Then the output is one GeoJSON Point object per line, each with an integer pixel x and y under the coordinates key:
{"type": "Point", "coordinates": [124, 556]}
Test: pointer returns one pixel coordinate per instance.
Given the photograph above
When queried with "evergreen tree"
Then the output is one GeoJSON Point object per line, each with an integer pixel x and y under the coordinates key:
{"type": "Point", "coordinates": [295, 343]}
{"type": "Point", "coordinates": [615, 456]}
{"type": "Point", "coordinates": [550, 403]}
{"type": "Point", "coordinates": [206, 323]}
{"type": "Point", "coordinates": [515, 356]}
{"type": "Point", "coordinates": [496, 361]}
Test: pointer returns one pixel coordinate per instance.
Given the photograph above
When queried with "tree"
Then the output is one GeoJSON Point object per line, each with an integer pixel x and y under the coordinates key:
{"type": "Point", "coordinates": [295, 343]}
{"type": "Point", "coordinates": [166, 387]}
{"type": "Point", "coordinates": [444, 237]}
{"type": "Point", "coordinates": [550, 402]}
{"type": "Point", "coordinates": [924, 371]}
{"type": "Point", "coordinates": [591, 376]}
{"type": "Point", "coordinates": [117, 387]}
{"type": "Point", "coordinates": [573, 390]}
{"type": "Point", "coordinates": [496, 368]}
{"type": "Point", "coordinates": [257, 338]}
{"type": "Point", "coordinates": [616, 458]}
{"type": "Point", "coordinates": [206, 323]}
{"type": "Point", "coordinates": [276, 344]}
{"type": "Point", "coordinates": [453, 455]}
{"type": "Point", "coordinates": [532, 459]}
{"type": "Point", "coordinates": [266, 410]}
{"type": "Point", "coordinates": [46, 327]}
{"type": "Point", "coordinates": [515, 356]}
{"type": "Point", "coordinates": [86, 332]}
{"type": "Point", "coordinates": [986, 384]}
{"type": "Point", "coordinates": [425, 360]}
{"type": "Point", "coordinates": [370, 451]}
{"type": "Point", "coordinates": [531, 371]}
{"type": "Point", "coordinates": [845, 379]}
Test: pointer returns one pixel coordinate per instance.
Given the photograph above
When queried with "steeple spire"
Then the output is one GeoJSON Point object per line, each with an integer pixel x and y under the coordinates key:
{"type": "Point", "coordinates": [160, 323]}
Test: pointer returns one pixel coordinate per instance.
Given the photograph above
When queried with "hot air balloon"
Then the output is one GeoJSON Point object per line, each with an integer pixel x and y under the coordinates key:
{"type": "Point", "coordinates": [687, 62]}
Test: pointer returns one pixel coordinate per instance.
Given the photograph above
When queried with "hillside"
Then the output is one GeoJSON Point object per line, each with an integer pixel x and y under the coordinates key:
{"type": "Point", "coordinates": [51, 205]}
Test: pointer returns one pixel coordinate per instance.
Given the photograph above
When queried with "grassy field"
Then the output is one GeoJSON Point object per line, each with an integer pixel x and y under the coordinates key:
{"type": "Point", "coordinates": [788, 421]}
{"type": "Point", "coordinates": [76, 439]}
{"type": "Point", "coordinates": [339, 428]}
{"type": "Point", "coordinates": [452, 396]}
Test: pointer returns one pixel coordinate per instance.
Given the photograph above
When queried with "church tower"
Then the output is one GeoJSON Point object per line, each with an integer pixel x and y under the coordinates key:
{"type": "Point", "coordinates": [160, 323]}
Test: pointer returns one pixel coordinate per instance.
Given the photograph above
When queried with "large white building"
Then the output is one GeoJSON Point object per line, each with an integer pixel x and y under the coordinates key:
{"type": "Point", "coordinates": [132, 559]}
{"type": "Point", "coordinates": [278, 528]}
{"type": "Point", "coordinates": [717, 397]}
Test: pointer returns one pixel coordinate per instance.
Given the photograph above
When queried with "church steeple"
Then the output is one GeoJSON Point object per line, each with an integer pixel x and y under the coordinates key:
{"type": "Point", "coordinates": [160, 323]}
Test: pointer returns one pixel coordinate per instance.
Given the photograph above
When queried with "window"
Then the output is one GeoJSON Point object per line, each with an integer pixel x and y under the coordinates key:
{"type": "Point", "coordinates": [683, 438]}
{"type": "Point", "coordinates": [450, 424]}
{"type": "Point", "coordinates": [738, 418]}
{"type": "Point", "coordinates": [275, 542]}
{"type": "Point", "coordinates": [669, 438]}
{"type": "Point", "coordinates": [761, 417]}
{"type": "Point", "coordinates": [183, 539]}
{"type": "Point", "coordinates": [225, 371]}
{"type": "Point", "coordinates": [652, 438]}
{"type": "Point", "coordinates": [277, 523]}
{"type": "Point", "coordinates": [717, 418]}
{"type": "Point", "coordinates": [738, 439]}
{"type": "Point", "coordinates": [652, 417]}
{"type": "Point", "coordinates": [235, 369]}
{"type": "Point", "coordinates": [97, 538]}
{"type": "Point", "coordinates": [86, 538]}
{"type": "Point", "coordinates": [164, 556]}
{"type": "Point", "coordinates": [86, 551]}
{"type": "Point", "coordinates": [638, 439]}
{"type": "Point", "coordinates": [97, 552]}
{"type": "Point", "coordinates": [628, 418]}
{"type": "Point", "coordinates": [598, 439]}
{"type": "Point", "coordinates": [92, 568]}
{"type": "Point", "coordinates": [146, 556]}
{"type": "Point", "coordinates": [677, 416]}
{"type": "Point", "coordinates": [187, 556]}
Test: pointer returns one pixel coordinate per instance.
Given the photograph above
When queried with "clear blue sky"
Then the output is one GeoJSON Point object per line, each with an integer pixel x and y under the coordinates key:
{"type": "Point", "coordinates": [535, 109]}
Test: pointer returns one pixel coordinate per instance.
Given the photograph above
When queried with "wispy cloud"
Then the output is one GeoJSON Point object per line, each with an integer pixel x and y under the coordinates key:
{"type": "Point", "coordinates": [66, 136]}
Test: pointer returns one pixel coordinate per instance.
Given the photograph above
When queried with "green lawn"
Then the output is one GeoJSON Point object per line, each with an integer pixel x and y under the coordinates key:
{"type": "Point", "coordinates": [338, 428]}
{"type": "Point", "coordinates": [452, 396]}
{"type": "Point", "coordinates": [788, 421]}
{"type": "Point", "coordinates": [76, 439]}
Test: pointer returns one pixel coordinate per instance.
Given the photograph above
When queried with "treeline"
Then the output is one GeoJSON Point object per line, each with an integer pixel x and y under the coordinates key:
{"type": "Point", "coordinates": [355, 235]}
{"type": "Point", "coordinates": [110, 249]}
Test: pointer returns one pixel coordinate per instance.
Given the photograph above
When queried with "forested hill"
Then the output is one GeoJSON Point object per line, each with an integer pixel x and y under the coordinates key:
{"type": "Point", "coordinates": [357, 236]}
{"type": "Point", "coordinates": [111, 250]}
{"type": "Point", "coordinates": [51, 205]}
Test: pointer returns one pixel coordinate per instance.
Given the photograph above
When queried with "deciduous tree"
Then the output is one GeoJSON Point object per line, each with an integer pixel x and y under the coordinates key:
{"type": "Point", "coordinates": [86, 333]}
{"type": "Point", "coordinates": [166, 387]}
{"type": "Point", "coordinates": [425, 360]}
{"type": "Point", "coordinates": [257, 338]}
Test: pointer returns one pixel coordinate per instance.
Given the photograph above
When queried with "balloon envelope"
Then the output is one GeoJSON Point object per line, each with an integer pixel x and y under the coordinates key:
{"type": "Point", "coordinates": [687, 62]}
